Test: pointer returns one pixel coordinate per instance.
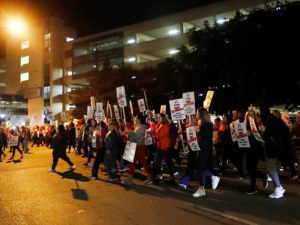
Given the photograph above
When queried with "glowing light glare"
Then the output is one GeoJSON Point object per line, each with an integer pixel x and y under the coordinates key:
{"type": "Point", "coordinates": [95, 66]}
{"type": "Point", "coordinates": [133, 77]}
{"type": "Point", "coordinates": [172, 32]}
{"type": "Point", "coordinates": [132, 59]}
{"type": "Point", "coordinates": [200, 94]}
{"type": "Point", "coordinates": [2, 115]}
{"type": "Point", "coordinates": [131, 41]}
{"type": "Point", "coordinates": [221, 21]}
{"type": "Point", "coordinates": [172, 52]}
{"type": "Point", "coordinates": [16, 26]}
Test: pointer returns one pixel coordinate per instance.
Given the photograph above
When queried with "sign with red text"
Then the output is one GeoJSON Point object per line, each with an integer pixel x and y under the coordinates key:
{"type": "Point", "coordinates": [13, 140]}
{"type": "Point", "coordinates": [233, 134]}
{"type": "Point", "coordinates": [254, 130]}
{"type": "Point", "coordinates": [121, 96]}
{"type": "Point", "coordinates": [141, 104]}
{"type": "Point", "coordinates": [192, 139]}
{"type": "Point", "coordinates": [242, 134]}
{"type": "Point", "coordinates": [189, 103]}
{"type": "Point", "coordinates": [177, 109]}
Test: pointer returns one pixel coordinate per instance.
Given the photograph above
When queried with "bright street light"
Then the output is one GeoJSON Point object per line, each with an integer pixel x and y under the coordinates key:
{"type": "Point", "coordinates": [16, 26]}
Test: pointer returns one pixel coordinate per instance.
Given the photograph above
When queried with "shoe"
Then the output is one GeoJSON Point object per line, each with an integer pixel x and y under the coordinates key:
{"type": "Point", "coordinates": [281, 169]}
{"type": "Point", "coordinates": [10, 160]}
{"type": "Point", "coordinates": [278, 193]}
{"type": "Point", "coordinates": [183, 186]}
{"type": "Point", "coordinates": [251, 191]}
{"type": "Point", "coordinates": [265, 180]}
{"type": "Point", "coordinates": [161, 180]}
{"type": "Point", "coordinates": [294, 177]}
{"type": "Point", "coordinates": [51, 170]}
{"type": "Point", "coordinates": [93, 178]}
{"type": "Point", "coordinates": [270, 179]}
{"type": "Point", "coordinates": [215, 181]}
{"type": "Point", "coordinates": [200, 192]}
{"type": "Point", "coordinates": [121, 170]}
{"type": "Point", "coordinates": [72, 167]}
{"type": "Point", "coordinates": [241, 177]}
{"type": "Point", "coordinates": [149, 179]}
{"type": "Point", "coordinates": [86, 164]}
{"type": "Point", "coordinates": [142, 168]}
{"type": "Point", "coordinates": [109, 179]}
{"type": "Point", "coordinates": [23, 156]}
{"type": "Point", "coordinates": [175, 173]}
{"type": "Point", "coordinates": [128, 181]}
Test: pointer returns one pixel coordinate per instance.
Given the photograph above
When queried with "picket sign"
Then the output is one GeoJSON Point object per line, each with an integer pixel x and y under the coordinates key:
{"type": "Point", "coordinates": [48, 113]}
{"type": "Point", "coordinates": [254, 130]}
{"type": "Point", "coordinates": [107, 108]}
{"type": "Point", "coordinates": [116, 110]}
{"type": "Point", "coordinates": [141, 104]}
{"type": "Point", "coordinates": [13, 140]}
{"type": "Point", "coordinates": [94, 138]}
{"type": "Point", "coordinates": [90, 112]}
{"type": "Point", "coordinates": [192, 139]}
{"type": "Point", "coordinates": [129, 152]}
{"type": "Point", "coordinates": [110, 111]}
{"type": "Point", "coordinates": [121, 96]}
{"type": "Point", "coordinates": [208, 99]}
{"type": "Point", "coordinates": [233, 133]}
{"type": "Point", "coordinates": [189, 103]}
{"type": "Point", "coordinates": [242, 135]}
{"type": "Point", "coordinates": [177, 109]}
{"type": "Point", "coordinates": [163, 109]}
{"type": "Point", "coordinates": [93, 104]}
{"type": "Point", "coordinates": [99, 111]}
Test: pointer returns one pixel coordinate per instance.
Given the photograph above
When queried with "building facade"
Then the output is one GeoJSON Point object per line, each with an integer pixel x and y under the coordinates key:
{"type": "Point", "coordinates": [47, 63]}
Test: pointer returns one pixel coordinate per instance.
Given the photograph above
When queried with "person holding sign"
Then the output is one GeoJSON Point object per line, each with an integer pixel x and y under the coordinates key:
{"type": "Point", "coordinates": [273, 135]}
{"type": "Point", "coordinates": [138, 136]}
{"type": "Point", "coordinates": [14, 141]}
{"type": "Point", "coordinates": [254, 153]}
{"type": "Point", "coordinates": [89, 131]}
{"type": "Point", "coordinates": [204, 156]}
{"type": "Point", "coordinates": [162, 134]}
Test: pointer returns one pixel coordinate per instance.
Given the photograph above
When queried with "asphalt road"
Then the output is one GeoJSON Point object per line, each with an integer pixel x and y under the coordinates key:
{"type": "Point", "coordinates": [31, 195]}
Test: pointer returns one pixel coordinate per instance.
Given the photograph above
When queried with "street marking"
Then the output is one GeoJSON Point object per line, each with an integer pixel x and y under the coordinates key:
{"type": "Point", "coordinates": [225, 215]}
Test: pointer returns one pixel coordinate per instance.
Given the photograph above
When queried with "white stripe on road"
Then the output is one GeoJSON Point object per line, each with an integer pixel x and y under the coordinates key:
{"type": "Point", "coordinates": [225, 215]}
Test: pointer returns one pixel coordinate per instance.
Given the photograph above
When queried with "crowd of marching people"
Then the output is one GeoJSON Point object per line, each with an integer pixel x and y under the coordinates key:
{"type": "Point", "coordinates": [162, 144]}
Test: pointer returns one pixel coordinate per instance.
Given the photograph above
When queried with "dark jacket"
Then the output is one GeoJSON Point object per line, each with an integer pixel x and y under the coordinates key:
{"type": "Point", "coordinates": [60, 142]}
{"type": "Point", "coordinates": [206, 135]}
{"type": "Point", "coordinates": [2, 139]}
{"type": "Point", "coordinates": [112, 142]}
{"type": "Point", "coordinates": [273, 136]}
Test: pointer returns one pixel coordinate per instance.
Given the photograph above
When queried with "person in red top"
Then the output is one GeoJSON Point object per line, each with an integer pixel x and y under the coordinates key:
{"type": "Point", "coordinates": [162, 135]}
{"type": "Point", "coordinates": [100, 148]}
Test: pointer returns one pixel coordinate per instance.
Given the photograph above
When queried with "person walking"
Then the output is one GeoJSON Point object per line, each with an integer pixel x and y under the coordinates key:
{"type": "Point", "coordinates": [60, 143]}
{"type": "Point", "coordinates": [16, 133]}
{"type": "Point", "coordinates": [2, 143]}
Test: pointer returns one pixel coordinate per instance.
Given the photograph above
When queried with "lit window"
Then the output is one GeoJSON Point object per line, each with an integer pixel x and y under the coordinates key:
{"type": "Point", "coordinates": [24, 60]}
{"type": "Point", "coordinates": [132, 59]}
{"type": "Point", "coordinates": [69, 89]}
{"type": "Point", "coordinates": [172, 32]}
{"type": "Point", "coordinates": [69, 39]}
{"type": "Point", "coordinates": [25, 44]}
{"type": "Point", "coordinates": [47, 40]}
{"type": "Point", "coordinates": [2, 84]}
{"type": "Point", "coordinates": [70, 73]}
{"type": "Point", "coordinates": [24, 76]}
{"type": "Point", "coordinates": [172, 52]}
{"type": "Point", "coordinates": [131, 41]}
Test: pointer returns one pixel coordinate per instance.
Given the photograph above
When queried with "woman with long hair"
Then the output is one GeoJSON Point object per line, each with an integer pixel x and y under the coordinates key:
{"type": "Point", "coordinates": [162, 135]}
{"type": "Point", "coordinates": [111, 151]}
{"type": "Point", "coordinates": [204, 156]}
{"type": "Point", "coordinates": [138, 136]}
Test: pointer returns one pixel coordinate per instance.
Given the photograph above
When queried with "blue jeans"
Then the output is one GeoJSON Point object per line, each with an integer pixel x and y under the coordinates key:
{"type": "Point", "coordinates": [272, 170]}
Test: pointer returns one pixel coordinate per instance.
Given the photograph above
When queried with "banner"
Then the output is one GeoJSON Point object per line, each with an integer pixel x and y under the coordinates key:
{"type": "Point", "coordinates": [129, 152]}
{"type": "Point", "coordinates": [121, 97]}
{"type": "Point", "coordinates": [93, 104]}
{"type": "Point", "coordinates": [163, 109]}
{"type": "Point", "coordinates": [141, 104]}
{"type": "Point", "coordinates": [116, 110]}
{"type": "Point", "coordinates": [254, 130]}
{"type": "Point", "coordinates": [192, 139]}
{"type": "Point", "coordinates": [99, 111]}
{"type": "Point", "coordinates": [63, 116]}
{"type": "Point", "coordinates": [189, 103]}
{"type": "Point", "coordinates": [48, 113]}
{"type": "Point", "coordinates": [13, 140]}
{"type": "Point", "coordinates": [208, 99]}
{"type": "Point", "coordinates": [177, 109]}
{"type": "Point", "coordinates": [90, 112]}
{"type": "Point", "coordinates": [242, 135]}
{"type": "Point", "coordinates": [233, 133]}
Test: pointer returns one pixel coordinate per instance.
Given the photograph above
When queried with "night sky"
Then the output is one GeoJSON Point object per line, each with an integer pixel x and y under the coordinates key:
{"type": "Point", "coordinates": [92, 16]}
